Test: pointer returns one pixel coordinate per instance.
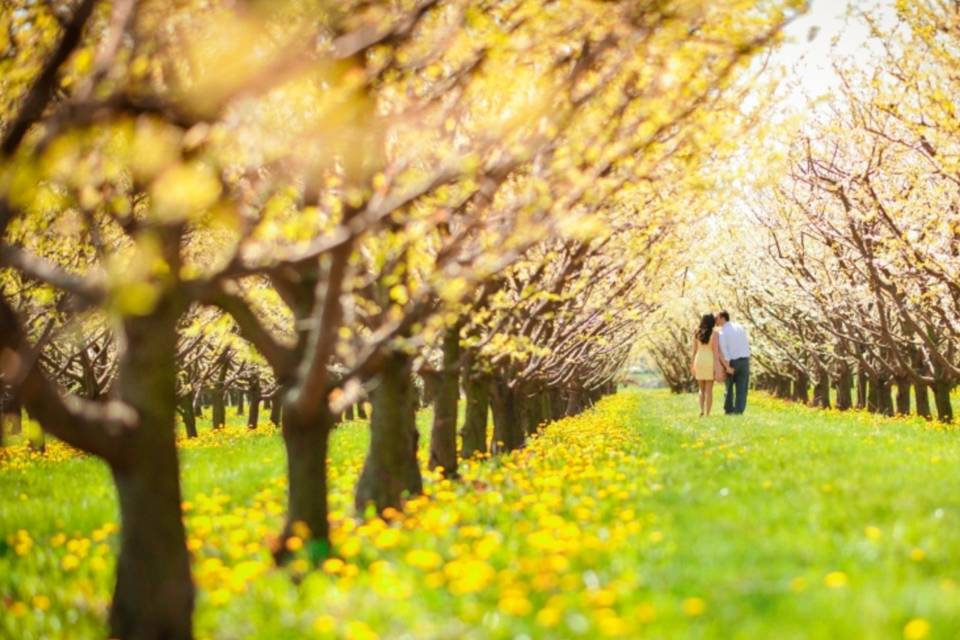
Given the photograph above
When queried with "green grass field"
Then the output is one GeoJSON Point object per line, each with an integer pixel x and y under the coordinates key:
{"type": "Point", "coordinates": [635, 519]}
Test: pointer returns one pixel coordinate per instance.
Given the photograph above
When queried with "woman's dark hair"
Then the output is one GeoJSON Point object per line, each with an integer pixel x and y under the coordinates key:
{"type": "Point", "coordinates": [706, 328]}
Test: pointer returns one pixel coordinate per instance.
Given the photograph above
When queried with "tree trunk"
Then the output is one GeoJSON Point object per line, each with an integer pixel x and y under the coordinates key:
{"type": "Point", "coordinates": [558, 404]}
{"type": "Point", "coordinates": [821, 391]}
{"type": "Point", "coordinates": [477, 390]}
{"type": "Point", "coordinates": [189, 417]}
{"type": "Point", "coordinates": [276, 406]}
{"type": "Point", "coordinates": [903, 396]}
{"type": "Point", "coordinates": [154, 592]}
{"type": "Point", "coordinates": [941, 397]}
{"type": "Point", "coordinates": [306, 438]}
{"type": "Point", "coordinates": [863, 393]}
{"type": "Point", "coordinates": [575, 403]}
{"type": "Point", "coordinates": [443, 436]}
{"type": "Point", "coordinates": [801, 387]}
{"type": "Point", "coordinates": [844, 391]}
{"type": "Point", "coordinates": [533, 411]}
{"type": "Point", "coordinates": [218, 399]}
{"type": "Point", "coordinates": [349, 413]}
{"type": "Point", "coordinates": [390, 469]}
{"type": "Point", "coordinates": [253, 417]}
{"type": "Point", "coordinates": [885, 396]}
{"type": "Point", "coordinates": [783, 387]}
{"type": "Point", "coordinates": [362, 410]}
{"type": "Point", "coordinates": [546, 406]}
{"type": "Point", "coordinates": [873, 394]}
{"type": "Point", "coordinates": [507, 430]}
{"type": "Point", "coordinates": [923, 400]}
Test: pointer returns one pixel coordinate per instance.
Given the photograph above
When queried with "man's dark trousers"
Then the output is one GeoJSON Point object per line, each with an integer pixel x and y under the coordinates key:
{"type": "Point", "coordinates": [738, 381]}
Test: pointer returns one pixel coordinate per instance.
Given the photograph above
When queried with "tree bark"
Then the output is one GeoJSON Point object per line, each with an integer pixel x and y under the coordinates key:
{"type": "Point", "coordinates": [784, 386]}
{"type": "Point", "coordinates": [821, 391]}
{"type": "Point", "coordinates": [306, 439]}
{"type": "Point", "coordinates": [873, 394]}
{"type": "Point", "coordinates": [534, 411]}
{"type": "Point", "coordinates": [189, 417]}
{"type": "Point", "coordinates": [239, 402]}
{"type": "Point", "coordinates": [253, 417]}
{"type": "Point", "coordinates": [558, 404]}
{"type": "Point", "coordinates": [391, 470]}
{"type": "Point", "coordinates": [575, 403]}
{"type": "Point", "coordinates": [903, 396]}
{"type": "Point", "coordinates": [941, 397]}
{"type": "Point", "coordinates": [923, 400]}
{"type": "Point", "coordinates": [507, 430]}
{"type": "Point", "coordinates": [863, 393]}
{"type": "Point", "coordinates": [154, 592]}
{"type": "Point", "coordinates": [884, 396]}
{"type": "Point", "coordinates": [801, 387]}
{"type": "Point", "coordinates": [443, 436]}
{"type": "Point", "coordinates": [276, 406]}
{"type": "Point", "coordinates": [218, 397]}
{"type": "Point", "coordinates": [844, 391]}
{"type": "Point", "coordinates": [477, 391]}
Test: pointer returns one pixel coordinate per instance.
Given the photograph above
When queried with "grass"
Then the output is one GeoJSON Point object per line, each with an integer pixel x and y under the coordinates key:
{"type": "Point", "coordinates": [635, 518]}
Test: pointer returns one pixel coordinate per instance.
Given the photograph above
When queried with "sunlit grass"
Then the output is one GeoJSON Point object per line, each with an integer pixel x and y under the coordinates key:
{"type": "Point", "coordinates": [634, 518]}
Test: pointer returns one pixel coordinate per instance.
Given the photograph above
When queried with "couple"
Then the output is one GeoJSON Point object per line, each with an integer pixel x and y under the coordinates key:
{"type": "Point", "coordinates": [721, 353]}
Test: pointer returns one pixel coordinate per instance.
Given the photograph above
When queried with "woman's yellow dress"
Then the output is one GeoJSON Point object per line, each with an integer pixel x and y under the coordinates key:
{"type": "Point", "coordinates": [703, 366]}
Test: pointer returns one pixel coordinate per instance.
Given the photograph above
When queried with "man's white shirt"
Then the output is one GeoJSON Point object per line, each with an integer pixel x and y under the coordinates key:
{"type": "Point", "coordinates": [733, 341]}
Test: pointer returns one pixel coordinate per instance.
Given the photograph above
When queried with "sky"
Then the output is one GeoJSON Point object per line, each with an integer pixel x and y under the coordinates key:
{"type": "Point", "coordinates": [835, 35]}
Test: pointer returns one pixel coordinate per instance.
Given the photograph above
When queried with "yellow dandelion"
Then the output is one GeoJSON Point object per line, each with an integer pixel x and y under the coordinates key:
{"type": "Point", "coordinates": [694, 606]}
{"type": "Point", "coordinates": [916, 629]}
{"type": "Point", "coordinates": [294, 543]}
{"type": "Point", "coordinates": [333, 565]}
{"type": "Point", "coordinates": [324, 623]}
{"type": "Point", "coordinates": [836, 580]}
{"type": "Point", "coordinates": [423, 559]}
{"type": "Point", "coordinates": [548, 617]}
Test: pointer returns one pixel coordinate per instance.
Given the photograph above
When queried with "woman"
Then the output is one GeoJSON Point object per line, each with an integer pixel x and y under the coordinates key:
{"type": "Point", "coordinates": [708, 365]}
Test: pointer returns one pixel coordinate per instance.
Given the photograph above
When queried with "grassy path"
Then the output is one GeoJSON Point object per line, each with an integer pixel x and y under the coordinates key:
{"type": "Point", "coordinates": [634, 519]}
{"type": "Point", "coordinates": [797, 523]}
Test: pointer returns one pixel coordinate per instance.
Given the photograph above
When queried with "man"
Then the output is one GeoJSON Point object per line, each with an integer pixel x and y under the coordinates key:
{"type": "Point", "coordinates": [736, 351]}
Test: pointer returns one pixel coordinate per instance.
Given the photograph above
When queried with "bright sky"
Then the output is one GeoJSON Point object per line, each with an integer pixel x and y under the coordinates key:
{"type": "Point", "coordinates": [836, 34]}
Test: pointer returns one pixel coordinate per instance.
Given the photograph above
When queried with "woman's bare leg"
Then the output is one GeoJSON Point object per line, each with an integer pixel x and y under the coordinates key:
{"type": "Point", "coordinates": [708, 394]}
{"type": "Point", "coordinates": [702, 395]}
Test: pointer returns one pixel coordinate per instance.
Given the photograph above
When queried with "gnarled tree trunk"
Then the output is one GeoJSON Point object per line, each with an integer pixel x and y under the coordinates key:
{"type": "Point", "coordinates": [276, 406]}
{"type": "Point", "coordinates": [306, 437]}
{"type": "Point", "coordinates": [941, 397]}
{"type": "Point", "coordinates": [253, 417]}
{"type": "Point", "coordinates": [390, 469]}
{"type": "Point", "coordinates": [154, 592]}
{"type": "Point", "coordinates": [863, 392]}
{"type": "Point", "coordinates": [219, 397]}
{"type": "Point", "coordinates": [844, 390]}
{"type": "Point", "coordinates": [923, 400]}
{"type": "Point", "coordinates": [507, 430]}
{"type": "Point", "coordinates": [189, 416]}
{"type": "Point", "coordinates": [821, 390]}
{"type": "Point", "coordinates": [903, 396]}
{"type": "Point", "coordinates": [443, 436]}
{"type": "Point", "coordinates": [477, 390]}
